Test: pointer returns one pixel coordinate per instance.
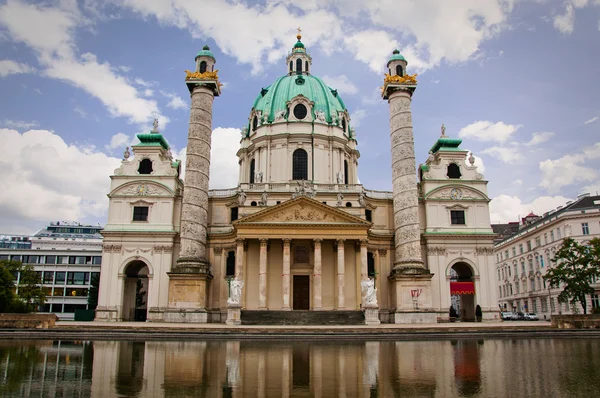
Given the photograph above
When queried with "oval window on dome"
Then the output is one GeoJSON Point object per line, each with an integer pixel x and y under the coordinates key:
{"type": "Point", "coordinates": [300, 111]}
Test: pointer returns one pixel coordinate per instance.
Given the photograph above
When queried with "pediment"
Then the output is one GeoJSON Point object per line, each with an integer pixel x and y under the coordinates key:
{"type": "Point", "coordinates": [302, 210]}
{"type": "Point", "coordinates": [446, 192]}
{"type": "Point", "coordinates": [142, 188]}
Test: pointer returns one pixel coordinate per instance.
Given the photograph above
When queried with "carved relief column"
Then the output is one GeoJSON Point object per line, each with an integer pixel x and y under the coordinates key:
{"type": "Point", "coordinates": [409, 272]}
{"type": "Point", "coordinates": [341, 277]}
{"type": "Point", "coordinates": [262, 275]}
{"type": "Point", "coordinates": [286, 274]}
{"type": "Point", "coordinates": [317, 301]}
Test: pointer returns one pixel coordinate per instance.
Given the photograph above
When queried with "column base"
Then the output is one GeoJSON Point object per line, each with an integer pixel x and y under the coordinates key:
{"type": "Point", "coordinates": [234, 315]}
{"type": "Point", "coordinates": [372, 315]}
{"type": "Point", "coordinates": [107, 314]}
{"type": "Point", "coordinates": [414, 317]}
{"type": "Point", "coordinates": [411, 290]}
{"type": "Point", "coordinates": [185, 315]}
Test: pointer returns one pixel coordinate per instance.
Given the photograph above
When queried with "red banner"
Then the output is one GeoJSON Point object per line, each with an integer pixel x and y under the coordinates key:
{"type": "Point", "coordinates": [462, 288]}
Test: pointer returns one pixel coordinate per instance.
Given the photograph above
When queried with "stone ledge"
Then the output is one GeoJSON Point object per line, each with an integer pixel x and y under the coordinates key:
{"type": "Point", "coordinates": [576, 321]}
{"type": "Point", "coordinates": [28, 321]}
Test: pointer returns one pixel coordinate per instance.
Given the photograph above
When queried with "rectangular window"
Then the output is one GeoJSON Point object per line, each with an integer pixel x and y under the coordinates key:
{"type": "Point", "coordinates": [80, 260]}
{"type": "Point", "coordinates": [595, 301]}
{"type": "Point", "coordinates": [506, 254]}
{"type": "Point", "coordinates": [544, 305]}
{"type": "Point", "coordinates": [457, 217]}
{"type": "Point", "coordinates": [545, 239]}
{"type": "Point", "coordinates": [510, 289]}
{"type": "Point", "coordinates": [514, 251]}
{"type": "Point", "coordinates": [509, 272]}
{"type": "Point", "coordinates": [552, 305]}
{"type": "Point", "coordinates": [234, 213]}
{"type": "Point", "coordinates": [537, 262]}
{"type": "Point", "coordinates": [542, 261]}
{"type": "Point", "coordinates": [538, 242]}
{"type": "Point", "coordinates": [558, 233]}
{"type": "Point", "coordinates": [72, 259]}
{"type": "Point", "coordinates": [59, 291]}
{"type": "Point", "coordinates": [528, 245]}
{"type": "Point", "coordinates": [498, 274]}
{"type": "Point", "coordinates": [530, 266]}
{"type": "Point", "coordinates": [369, 215]}
{"type": "Point", "coordinates": [532, 284]}
{"type": "Point", "coordinates": [48, 276]}
{"type": "Point", "coordinates": [50, 259]}
{"type": "Point", "coordinates": [534, 306]}
{"type": "Point", "coordinates": [97, 260]}
{"type": "Point", "coordinates": [515, 269]}
{"type": "Point", "coordinates": [230, 265]}
{"type": "Point", "coordinates": [521, 248]}
{"type": "Point", "coordinates": [69, 308]}
{"type": "Point", "coordinates": [78, 278]}
{"type": "Point", "coordinates": [140, 213]}
{"type": "Point", "coordinates": [517, 287]}
{"type": "Point", "coordinates": [77, 292]}
{"type": "Point", "coordinates": [551, 236]}
{"type": "Point", "coordinates": [585, 229]}
{"type": "Point", "coordinates": [523, 266]}
{"type": "Point", "coordinates": [59, 278]}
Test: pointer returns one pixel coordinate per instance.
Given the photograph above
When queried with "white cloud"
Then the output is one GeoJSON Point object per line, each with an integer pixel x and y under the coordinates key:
{"type": "Point", "coordinates": [81, 112]}
{"type": "Point", "coordinates": [569, 169]}
{"type": "Point", "coordinates": [42, 179]}
{"type": "Point", "coordinates": [565, 22]}
{"type": "Point", "coordinates": [488, 131]}
{"type": "Point", "coordinates": [8, 67]}
{"type": "Point", "coordinates": [505, 154]}
{"type": "Point", "coordinates": [363, 44]}
{"type": "Point", "coordinates": [539, 138]}
{"type": "Point", "coordinates": [505, 208]}
{"type": "Point", "coordinates": [17, 124]}
{"type": "Point", "coordinates": [56, 52]}
{"type": "Point", "coordinates": [357, 116]}
{"type": "Point", "coordinates": [120, 141]}
{"type": "Point", "coordinates": [592, 120]}
{"type": "Point", "coordinates": [341, 83]}
{"type": "Point", "coordinates": [175, 101]}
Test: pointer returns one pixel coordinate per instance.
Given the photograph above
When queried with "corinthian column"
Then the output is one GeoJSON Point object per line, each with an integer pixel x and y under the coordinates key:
{"type": "Point", "coordinates": [286, 274]}
{"type": "Point", "coordinates": [262, 275]}
{"type": "Point", "coordinates": [317, 300]}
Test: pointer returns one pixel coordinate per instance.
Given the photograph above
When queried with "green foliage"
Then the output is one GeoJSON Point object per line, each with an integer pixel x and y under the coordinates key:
{"type": "Point", "coordinates": [7, 286]}
{"type": "Point", "coordinates": [30, 292]}
{"type": "Point", "coordinates": [576, 266]}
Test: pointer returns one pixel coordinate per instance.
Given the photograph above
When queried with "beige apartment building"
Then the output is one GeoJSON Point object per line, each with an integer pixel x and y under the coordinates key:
{"type": "Point", "coordinates": [523, 258]}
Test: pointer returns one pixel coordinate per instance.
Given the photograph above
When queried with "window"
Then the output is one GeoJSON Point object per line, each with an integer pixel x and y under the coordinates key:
{"type": "Point", "coordinates": [521, 248]}
{"type": "Point", "coordinates": [145, 166]}
{"type": "Point", "coordinates": [97, 260]}
{"type": "Point", "coordinates": [506, 254]}
{"type": "Point", "coordinates": [552, 305]}
{"type": "Point", "coordinates": [369, 215]}
{"type": "Point", "coordinates": [346, 172]}
{"type": "Point", "coordinates": [234, 213]}
{"type": "Point", "coordinates": [252, 169]}
{"type": "Point", "coordinates": [300, 165]}
{"type": "Point", "coordinates": [542, 261]}
{"type": "Point", "coordinates": [291, 66]}
{"type": "Point", "coordinates": [509, 274]}
{"type": "Point", "coordinates": [558, 233]}
{"type": "Point", "coordinates": [585, 229]}
{"type": "Point", "coordinates": [528, 245]}
{"type": "Point", "coordinates": [534, 306]}
{"type": "Point", "coordinates": [515, 269]}
{"type": "Point", "coordinates": [545, 239]}
{"type": "Point", "coordinates": [72, 259]}
{"type": "Point", "coordinates": [530, 266]}
{"type": "Point", "coordinates": [202, 66]}
{"type": "Point", "coordinates": [457, 217]}
{"type": "Point", "coordinates": [532, 284]}
{"type": "Point", "coordinates": [523, 266]}
{"type": "Point", "coordinates": [254, 123]}
{"type": "Point", "coordinates": [48, 277]}
{"type": "Point", "coordinates": [538, 242]}
{"type": "Point", "coordinates": [78, 278]}
{"type": "Point", "coordinates": [344, 124]}
{"type": "Point", "coordinates": [514, 251]}
{"type": "Point", "coordinates": [516, 287]}
{"type": "Point", "coordinates": [399, 71]}
{"type": "Point", "coordinates": [500, 290]}
{"type": "Point", "coordinates": [298, 66]}
{"type": "Point", "coordinates": [544, 305]}
{"type": "Point", "coordinates": [140, 213]}
{"type": "Point", "coordinates": [551, 236]}
{"type": "Point", "coordinates": [370, 265]}
{"type": "Point", "coordinates": [537, 262]}
{"type": "Point", "coordinates": [348, 204]}
{"type": "Point", "coordinates": [300, 111]}
{"type": "Point", "coordinates": [58, 291]}
{"type": "Point", "coordinates": [595, 301]}
{"type": "Point", "coordinates": [306, 66]}
{"type": "Point", "coordinates": [59, 278]}
{"type": "Point", "coordinates": [50, 259]}
{"type": "Point", "coordinates": [230, 267]}
{"type": "Point", "coordinates": [510, 289]}
{"type": "Point", "coordinates": [498, 274]}
{"type": "Point", "coordinates": [453, 171]}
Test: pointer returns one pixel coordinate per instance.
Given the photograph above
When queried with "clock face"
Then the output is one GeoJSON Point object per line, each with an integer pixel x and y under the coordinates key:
{"type": "Point", "coordinates": [456, 193]}
{"type": "Point", "coordinates": [142, 189]}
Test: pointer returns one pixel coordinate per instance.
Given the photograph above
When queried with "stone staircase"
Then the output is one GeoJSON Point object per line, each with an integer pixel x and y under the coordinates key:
{"type": "Point", "coordinates": [259, 317]}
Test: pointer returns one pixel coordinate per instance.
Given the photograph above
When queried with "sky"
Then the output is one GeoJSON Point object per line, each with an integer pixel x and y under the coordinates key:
{"type": "Point", "coordinates": [516, 80]}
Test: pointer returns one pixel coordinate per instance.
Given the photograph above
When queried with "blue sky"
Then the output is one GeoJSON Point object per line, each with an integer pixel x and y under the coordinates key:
{"type": "Point", "coordinates": [515, 79]}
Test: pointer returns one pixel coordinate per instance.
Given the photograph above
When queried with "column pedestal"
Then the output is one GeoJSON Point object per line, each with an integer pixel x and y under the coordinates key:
{"type": "Point", "coordinates": [408, 308]}
{"type": "Point", "coordinates": [372, 314]}
{"type": "Point", "coordinates": [187, 297]}
{"type": "Point", "coordinates": [234, 314]}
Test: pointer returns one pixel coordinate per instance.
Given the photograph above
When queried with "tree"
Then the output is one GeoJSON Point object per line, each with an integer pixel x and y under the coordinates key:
{"type": "Point", "coordinates": [576, 268]}
{"type": "Point", "coordinates": [30, 290]}
{"type": "Point", "coordinates": [7, 286]}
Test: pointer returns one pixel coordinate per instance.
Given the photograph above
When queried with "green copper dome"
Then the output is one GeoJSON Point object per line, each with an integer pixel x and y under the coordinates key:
{"type": "Point", "coordinates": [205, 52]}
{"type": "Point", "coordinates": [396, 56]}
{"type": "Point", "coordinates": [274, 97]}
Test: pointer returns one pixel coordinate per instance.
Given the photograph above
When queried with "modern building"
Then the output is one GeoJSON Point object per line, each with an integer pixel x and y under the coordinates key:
{"type": "Point", "coordinates": [523, 258]}
{"type": "Point", "coordinates": [299, 232]}
{"type": "Point", "coordinates": [67, 255]}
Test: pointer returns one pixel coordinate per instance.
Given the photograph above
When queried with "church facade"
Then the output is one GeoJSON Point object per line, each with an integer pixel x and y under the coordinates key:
{"type": "Point", "coordinates": [299, 232]}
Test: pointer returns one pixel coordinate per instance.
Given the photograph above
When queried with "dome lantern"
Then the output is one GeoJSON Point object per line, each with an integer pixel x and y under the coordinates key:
{"type": "Point", "coordinates": [397, 64]}
{"type": "Point", "coordinates": [299, 61]}
{"type": "Point", "coordinates": [205, 60]}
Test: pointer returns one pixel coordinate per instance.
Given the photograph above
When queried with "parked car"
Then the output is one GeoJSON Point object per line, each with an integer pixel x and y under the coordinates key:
{"type": "Point", "coordinates": [506, 316]}
{"type": "Point", "coordinates": [518, 316]}
{"type": "Point", "coordinates": [531, 317]}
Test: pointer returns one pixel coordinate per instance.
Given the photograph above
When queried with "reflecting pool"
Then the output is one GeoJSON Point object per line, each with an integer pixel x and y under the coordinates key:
{"type": "Point", "coordinates": [453, 368]}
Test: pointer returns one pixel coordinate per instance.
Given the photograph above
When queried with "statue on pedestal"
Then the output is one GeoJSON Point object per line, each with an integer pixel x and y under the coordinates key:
{"type": "Point", "coordinates": [369, 292]}
{"type": "Point", "coordinates": [235, 292]}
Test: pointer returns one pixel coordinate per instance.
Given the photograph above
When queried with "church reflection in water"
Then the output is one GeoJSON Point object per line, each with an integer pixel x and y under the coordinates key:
{"type": "Point", "coordinates": [266, 368]}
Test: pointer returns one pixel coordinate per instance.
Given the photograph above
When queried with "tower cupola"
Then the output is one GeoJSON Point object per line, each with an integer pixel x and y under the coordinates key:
{"type": "Point", "coordinates": [299, 61]}
{"type": "Point", "coordinates": [205, 61]}
{"type": "Point", "coordinates": [397, 64]}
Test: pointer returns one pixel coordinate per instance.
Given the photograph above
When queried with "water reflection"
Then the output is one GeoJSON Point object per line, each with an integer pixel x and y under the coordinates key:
{"type": "Point", "coordinates": [467, 368]}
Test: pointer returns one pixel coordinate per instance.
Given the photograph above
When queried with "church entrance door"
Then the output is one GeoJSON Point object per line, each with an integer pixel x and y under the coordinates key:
{"type": "Point", "coordinates": [301, 292]}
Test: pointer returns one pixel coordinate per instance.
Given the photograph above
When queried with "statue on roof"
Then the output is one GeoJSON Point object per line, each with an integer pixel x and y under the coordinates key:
{"type": "Point", "coordinates": [443, 130]}
{"type": "Point", "coordinates": [155, 126]}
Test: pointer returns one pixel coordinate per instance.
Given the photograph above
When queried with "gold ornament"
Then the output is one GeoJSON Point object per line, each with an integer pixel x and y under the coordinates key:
{"type": "Point", "coordinates": [189, 75]}
{"type": "Point", "coordinates": [406, 79]}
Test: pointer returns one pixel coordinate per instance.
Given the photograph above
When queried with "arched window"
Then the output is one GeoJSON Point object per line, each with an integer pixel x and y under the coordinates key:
{"type": "Point", "coordinates": [346, 172]}
{"type": "Point", "coordinates": [254, 123]}
{"type": "Point", "coordinates": [230, 268]}
{"type": "Point", "coordinates": [145, 166]}
{"type": "Point", "coordinates": [370, 265]}
{"type": "Point", "coordinates": [202, 66]}
{"type": "Point", "coordinates": [298, 66]}
{"type": "Point", "coordinates": [306, 66]}
{"type": "Point", "coordinates": [344, 124]}
{"type": "Point", "coordinates": [300, 165]}
{"type": "Point", "coordinates": [453, 171]}
{"type": "Point", "coordinates": [291, 66]}
{"type": "Point", "coordinates": [399, 70]}
{"type": "Point", "coordinates": [252, 166]}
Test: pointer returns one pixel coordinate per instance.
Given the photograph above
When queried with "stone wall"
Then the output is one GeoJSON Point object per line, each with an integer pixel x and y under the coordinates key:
{"type": "Point", "coordinates": [576, 321]}
{"type": "Point", "coordinates": [27, 321]}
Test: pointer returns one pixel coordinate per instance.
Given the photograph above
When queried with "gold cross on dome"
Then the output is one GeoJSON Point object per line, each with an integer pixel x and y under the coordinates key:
{"type": "Point", "coordinates": [299, 30]}
{"type": "Point", "coordinates": [299, 36]}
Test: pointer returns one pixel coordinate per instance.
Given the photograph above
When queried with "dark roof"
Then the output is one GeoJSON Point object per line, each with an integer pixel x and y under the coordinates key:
{"type": "Point", "coordinates": [505, 230]}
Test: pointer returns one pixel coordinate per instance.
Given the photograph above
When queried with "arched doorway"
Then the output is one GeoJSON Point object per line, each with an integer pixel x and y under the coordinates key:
{"type": "Point", "coordinates": [135, 292]}
{"type": "Point", "coordinates": [462, 291]}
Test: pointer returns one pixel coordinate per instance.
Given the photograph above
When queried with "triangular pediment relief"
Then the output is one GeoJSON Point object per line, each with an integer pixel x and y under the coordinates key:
{"type": "Point", "coordinates": [456, 192]}
{"type": "Point", "coordinates": [302, 210]}
{"type": "Point", "coordinates": [142, 188]}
